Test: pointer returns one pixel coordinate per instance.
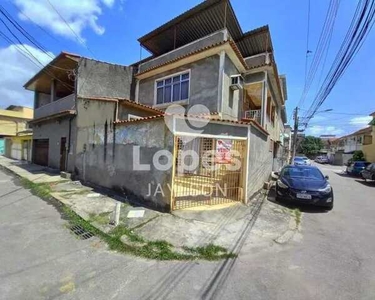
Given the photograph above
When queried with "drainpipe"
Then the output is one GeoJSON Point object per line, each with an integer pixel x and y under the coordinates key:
{"type": "Point", "coordinates": [68, 148]}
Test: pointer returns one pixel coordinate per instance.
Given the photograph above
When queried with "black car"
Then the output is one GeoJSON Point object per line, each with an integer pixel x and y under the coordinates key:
{"type": "Point", "coordinates": [304, 184]}
{"type": "Point", "coordinates": [369, 172]}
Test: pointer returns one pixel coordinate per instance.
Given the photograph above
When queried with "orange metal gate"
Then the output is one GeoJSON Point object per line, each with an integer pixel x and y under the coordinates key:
{"type": "Point", "coordinates": [217, 176]}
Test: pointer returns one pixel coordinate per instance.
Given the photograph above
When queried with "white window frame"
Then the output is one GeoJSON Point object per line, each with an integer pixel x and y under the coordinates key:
{"type": "Point", "coordinates": [133, 117]}
{"type": "Point", "coordinates": [181, 102]}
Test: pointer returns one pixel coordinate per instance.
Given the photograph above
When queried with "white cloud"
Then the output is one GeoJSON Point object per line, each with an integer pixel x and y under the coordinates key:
{"type": "Point", "coordinates": [360, 121]}
{"type": "Point", "coordinates": [79, 14]}
{"type": "Point", "coordinates": [15, 70]}
{"type": "Point", "coordinates": [317, 130]}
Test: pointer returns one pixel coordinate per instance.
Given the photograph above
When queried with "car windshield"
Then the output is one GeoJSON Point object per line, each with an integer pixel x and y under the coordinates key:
{"type": "Point", "coordinates": [298, 158]}
{"type": "Point", "coordinates": [306, 173]}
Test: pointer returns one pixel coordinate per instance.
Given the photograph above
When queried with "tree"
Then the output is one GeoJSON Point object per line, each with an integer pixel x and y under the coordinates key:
{"type": "Point", "coordinates": [311, 145]}
{"type": "Point", "coordinates": [358, 155]}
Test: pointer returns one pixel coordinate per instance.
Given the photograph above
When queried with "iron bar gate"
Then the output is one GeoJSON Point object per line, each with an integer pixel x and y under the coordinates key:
{"type": "Point", "coordinates": [217, 176]}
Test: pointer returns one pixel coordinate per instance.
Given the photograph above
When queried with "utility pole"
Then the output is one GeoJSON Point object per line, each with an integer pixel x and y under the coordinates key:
{"type": "Point", "coordinates": [295, 132]}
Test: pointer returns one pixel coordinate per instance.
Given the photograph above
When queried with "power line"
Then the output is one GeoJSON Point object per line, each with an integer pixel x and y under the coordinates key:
{"type": "Point", "coordinates": [27, 35]}
{"type": "Point", "coordinates": [40, 65]}
{"type": "Point", "coordinates": [36, 24]}
{"type": "Point", "coordinates": [23, 31]}
{"type": "Point", "coordinates": [71, 29]}
{"type": "Point", "coordinates": [307, 38]}
{"type": "Point", "coordinates": [361, 24]}
{"type": "Point", "coordinates": [321, 48]}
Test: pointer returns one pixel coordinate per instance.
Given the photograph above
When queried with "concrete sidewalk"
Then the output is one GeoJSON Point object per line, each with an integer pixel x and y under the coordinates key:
{"type": "Point", "coordinates": [222, 225]}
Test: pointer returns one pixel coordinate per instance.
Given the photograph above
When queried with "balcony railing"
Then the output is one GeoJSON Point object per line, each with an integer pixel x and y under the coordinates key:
{"type": "Point", "coordinates": [253, 114]}
{"type": "Point", "coordinates": [66, 103]}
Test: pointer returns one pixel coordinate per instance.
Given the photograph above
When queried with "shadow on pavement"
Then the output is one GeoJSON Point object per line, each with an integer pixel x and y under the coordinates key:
{"type": "Point", "coordinates": [35, 169]}
{"type": "Point", "coordinates": [302, 207]}
{"type": "Point", "coordinates": [366, 183]}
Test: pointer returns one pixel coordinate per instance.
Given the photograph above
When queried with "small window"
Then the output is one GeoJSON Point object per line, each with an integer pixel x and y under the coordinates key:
{"type": "Point", "coordinates": [174, 88]}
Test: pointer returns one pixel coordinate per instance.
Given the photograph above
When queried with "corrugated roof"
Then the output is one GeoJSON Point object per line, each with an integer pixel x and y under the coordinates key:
{"type": "Point", "coordinates": [255, 42]}
{"type": "Point", "coordinates": [199, 21]}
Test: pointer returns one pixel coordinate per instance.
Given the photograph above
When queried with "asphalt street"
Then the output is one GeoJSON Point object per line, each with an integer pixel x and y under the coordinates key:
{"type": "Point", "coordinates": [331, 257]}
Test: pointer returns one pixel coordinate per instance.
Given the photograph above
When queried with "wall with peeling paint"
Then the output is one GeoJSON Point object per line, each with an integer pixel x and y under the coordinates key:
{"type": "Point", "coordinates": [115, 169]}
{"type": "Point", "coordinates": [92, 117]}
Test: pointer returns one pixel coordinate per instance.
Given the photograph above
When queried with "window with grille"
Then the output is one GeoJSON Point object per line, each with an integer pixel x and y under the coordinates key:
{"type": "Point", "coordinates": [174, 88]}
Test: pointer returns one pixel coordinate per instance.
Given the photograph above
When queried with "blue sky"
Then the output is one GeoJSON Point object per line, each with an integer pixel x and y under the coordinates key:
{"type": "Point", "coordinates": [111, 28]}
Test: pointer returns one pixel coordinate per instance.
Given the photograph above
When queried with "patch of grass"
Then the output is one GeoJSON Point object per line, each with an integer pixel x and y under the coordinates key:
{"type": "Point", "coordinates": [211, 252]}
{"type": "Point", "coordinates": [42, 190]}
{"type": "Point", "coordinates": [102, 218]}
{"type": "Point", "coordinates": [121, 230]}
{"type": "Point", "coordinates": [160, 250]}
{"type": "Point", "coordinates": [297, 215]}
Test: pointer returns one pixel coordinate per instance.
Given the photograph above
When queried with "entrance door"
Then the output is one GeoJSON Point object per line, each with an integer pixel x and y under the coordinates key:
{"type": "Point", "coordinates": [63, 154]}
{"type": "Point", "coordinates": [40, 152]}
{"type": "Point", "coordinates": [25, 149]}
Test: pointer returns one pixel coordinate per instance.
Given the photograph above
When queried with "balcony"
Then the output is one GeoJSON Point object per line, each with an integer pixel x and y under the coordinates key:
{"type": "Point", "coordinates": [254, 114]}
{"type": "Point", "coordinates": [60, 105]}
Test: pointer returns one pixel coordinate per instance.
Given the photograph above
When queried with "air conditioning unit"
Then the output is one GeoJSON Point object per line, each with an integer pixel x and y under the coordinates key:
{"type": "Point", "coordinates": [237, 82]}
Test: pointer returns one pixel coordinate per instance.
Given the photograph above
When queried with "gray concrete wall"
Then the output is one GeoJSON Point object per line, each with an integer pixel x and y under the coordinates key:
{"type": "Point", "coordinates": [209, 40]}
{"type": "Point", "coordinates": [54, 130]}
{"type": "Point", "coordinates": [231, 101]}
{"type": "Point", "coordinates": [41, 99]}
{"type": "Point", "coordinates": [101, 79]}
{"type": "Point", "coordinates": [259, 160]}
{"type": "Point", "coordinates": [117, 171]}
{"type": "Point", "coordinates": [66, 103]}
{"type": "Point", "coordinates": [255, 77]}
{"type": "Point", "coordinates": [204, 78]}
{"type": "Point", "coordinates": [211, 128]}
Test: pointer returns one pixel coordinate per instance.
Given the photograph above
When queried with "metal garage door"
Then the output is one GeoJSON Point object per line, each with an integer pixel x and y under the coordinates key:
{"type": "Point", "coordinates": [40, 152]}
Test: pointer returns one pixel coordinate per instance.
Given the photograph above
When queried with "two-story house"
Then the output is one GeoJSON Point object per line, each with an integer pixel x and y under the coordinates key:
{"type": "Point", "coordinates": [115, 126]}
{"type": "Point", "coordinates": [15, 136]}
{"type": "Point", "coordinates": [354, 141]}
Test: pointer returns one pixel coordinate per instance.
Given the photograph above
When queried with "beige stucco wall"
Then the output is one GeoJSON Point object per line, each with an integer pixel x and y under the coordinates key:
{"type": "Point", "coordinates": [369, 150]}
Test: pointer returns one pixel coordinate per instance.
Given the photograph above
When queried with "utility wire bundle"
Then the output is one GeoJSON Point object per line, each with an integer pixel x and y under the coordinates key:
{"type": "Point", "coordinates": [321, 49]}
{"type": "Point", "coordinates": [361, 24]}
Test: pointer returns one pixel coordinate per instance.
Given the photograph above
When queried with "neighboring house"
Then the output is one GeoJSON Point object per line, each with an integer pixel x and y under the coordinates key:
{"type": "Point", "coordinates": [15, 137]}
{"type": "Point", "coordinates": [106, 123]}
{"type": "Point", "coordinates": [354, 141]}
{"type": "Point", "coordinates": [342, 149]}
{"type": "Point", "coordinates": [20, 146]}
{"type": "Point", "coordinates": [369, 141]}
